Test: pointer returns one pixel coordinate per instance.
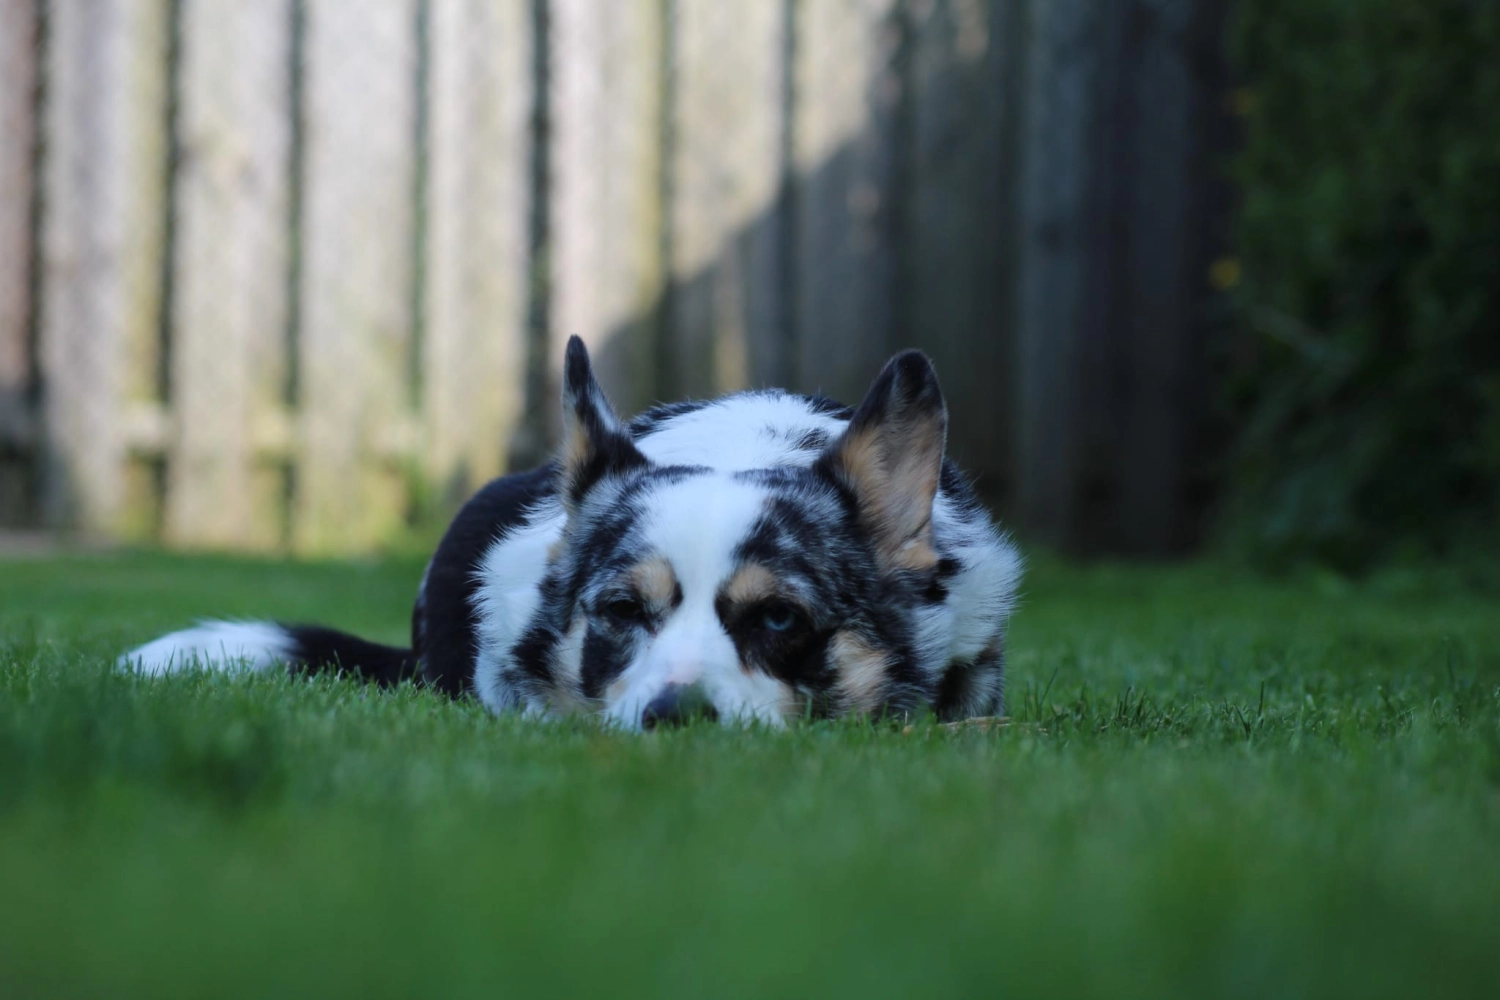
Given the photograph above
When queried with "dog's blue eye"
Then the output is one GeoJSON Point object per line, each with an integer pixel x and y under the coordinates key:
{"type": "Point", "coordinates": [778, 618]}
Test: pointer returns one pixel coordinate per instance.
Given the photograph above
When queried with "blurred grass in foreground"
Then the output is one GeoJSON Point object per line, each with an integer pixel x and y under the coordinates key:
{"type": "Point", "coordinates": [1215, 786]}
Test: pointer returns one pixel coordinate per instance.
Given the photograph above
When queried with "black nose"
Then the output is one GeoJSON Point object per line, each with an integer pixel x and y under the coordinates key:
{"type": "Point", "coordinates": [677, 704]}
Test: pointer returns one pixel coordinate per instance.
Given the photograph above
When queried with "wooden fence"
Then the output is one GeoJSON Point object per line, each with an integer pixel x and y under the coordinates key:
{"type": "Point", "coordinates": [288, 273]}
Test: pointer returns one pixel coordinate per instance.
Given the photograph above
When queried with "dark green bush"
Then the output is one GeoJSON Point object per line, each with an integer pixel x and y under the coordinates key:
{"type": "Point", "coordinates": [1365, 380]}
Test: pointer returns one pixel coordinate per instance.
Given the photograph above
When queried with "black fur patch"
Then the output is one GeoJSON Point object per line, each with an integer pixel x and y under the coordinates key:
{"type": "Point", "coordinates": [445, 634]}
{"type": "Point", "coordinates": [936, 591]}
{"type": "Point", "coordinates": [653, 419]}
{"type": "Point", "coordinates": [814, 440]}
{"type": "Point", "coordinates": [824, 406]}
{"type": "Point", "coordinates": [954, 696]}
{"type": "Point", "coordinates": [597, 543]}
{"type": "Point", "coordinates": [955, 486]}
{"type": "Point", "coordinates": [810, 535]}
{"type": "Point", "coordinates": [607, 448]}
{"type": "Point", "coordinates": [319, 650]}
{"type": "Point", "coordinates": [610, 456]}
{"type": "Point", "coordinates": [533, 655]}
{"type": "Point", "coordinates": [797, 657]}
{"type": "Point", "coordinates": [605, 656]}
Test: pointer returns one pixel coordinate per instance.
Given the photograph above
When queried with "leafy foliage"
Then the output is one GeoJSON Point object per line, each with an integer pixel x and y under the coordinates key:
{"type": "Point", "coordinates": [1366, 384]}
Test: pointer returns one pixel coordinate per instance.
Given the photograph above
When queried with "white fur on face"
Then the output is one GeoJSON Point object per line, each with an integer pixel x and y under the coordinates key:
{"type": "Point", "coordinates": [740, 433]}
{"type": "Point", "coordinates": [507, 598]}
{"type": "Point", "coordinates": [748, 431]}
{"type": "Point", "coordinates": [695, 526]}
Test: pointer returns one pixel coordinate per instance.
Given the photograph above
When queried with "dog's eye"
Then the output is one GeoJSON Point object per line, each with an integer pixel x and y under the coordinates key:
{"type": "Point", "coordinates": [626, 611]}
{"type": "Point", "coordinates": [778, 617]}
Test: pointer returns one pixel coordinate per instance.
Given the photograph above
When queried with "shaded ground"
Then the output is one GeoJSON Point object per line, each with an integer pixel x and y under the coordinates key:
{"type": "Point", "coordinates": [1216, 786]}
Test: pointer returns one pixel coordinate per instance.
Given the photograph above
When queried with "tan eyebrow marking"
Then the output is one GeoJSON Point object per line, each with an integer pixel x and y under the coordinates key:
{"type": "Point", "coordinates": [751, 582]}
{"type": "Point", "coordinates": [862, 670]}
{"type": "Point", "coordinates": [654, 580]}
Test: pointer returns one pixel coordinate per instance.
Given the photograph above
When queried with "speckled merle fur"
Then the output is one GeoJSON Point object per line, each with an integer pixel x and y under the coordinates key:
{"type": "Point", "coordinates": [811, 532]}
{"type": "Point", "coordinates": [763, 556]}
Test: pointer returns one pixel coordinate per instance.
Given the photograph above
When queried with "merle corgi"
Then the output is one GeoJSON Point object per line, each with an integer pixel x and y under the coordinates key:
{"type": "Point", "coordinates": [762, 557]}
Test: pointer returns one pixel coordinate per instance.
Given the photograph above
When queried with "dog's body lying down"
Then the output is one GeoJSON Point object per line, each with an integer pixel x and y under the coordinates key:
{"type": "Point", "coordinates": [764, 556]}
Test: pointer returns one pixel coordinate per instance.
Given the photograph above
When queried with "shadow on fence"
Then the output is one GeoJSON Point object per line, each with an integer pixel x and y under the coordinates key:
{"type": "Point", "coordinates": [347, 302]}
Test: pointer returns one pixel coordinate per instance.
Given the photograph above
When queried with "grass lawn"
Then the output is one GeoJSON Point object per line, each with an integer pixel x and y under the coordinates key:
{"type": "Point", "coordinates": [1216, 786]}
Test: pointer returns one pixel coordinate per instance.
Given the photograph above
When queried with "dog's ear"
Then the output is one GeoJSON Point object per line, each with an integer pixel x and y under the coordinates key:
{"type": "Point", "coordinates": [596, 443]}
{"type": "Point", "coordinates": [891, 458]}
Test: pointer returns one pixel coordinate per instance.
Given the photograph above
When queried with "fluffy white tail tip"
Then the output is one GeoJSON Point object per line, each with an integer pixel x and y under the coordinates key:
{"type": "Point", "coordinates": [213, 645]}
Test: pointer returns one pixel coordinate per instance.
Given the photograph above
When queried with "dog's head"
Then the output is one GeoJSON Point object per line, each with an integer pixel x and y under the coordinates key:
{"type": "Point", "coordinates": [682, 591]}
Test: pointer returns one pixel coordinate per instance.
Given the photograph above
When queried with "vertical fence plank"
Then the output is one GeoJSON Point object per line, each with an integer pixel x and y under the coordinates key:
{"type": "Point", "coordinates": [18, 76]}
{"type": "Point", "coordinates": [859, 173]}
{"type": "Point", "coordinates": [229, 308]}
{"type": "Point", "coordinates": [727, 312]}
{"type": "Point", "coordinates": [1173, 94]}
{"type": "Point", "coordinates": [1056, 220]}
{"type": "Point", "coordinates": [475, 323]}
{"type": "Point", "coordinates": [102, 247]}
{"type": "Point", "coordinates": [18, 39]}
{"type": "Point", "coordinates": [1117, 155]}
{"type": "Point", "coordinates": [606, 189]}
{"type": "Point", "coordinates": [847, 147]}
{"type": "Point", "coordinates": [964, 57]}
{"type": "Point", "coordinates": [357, 271]}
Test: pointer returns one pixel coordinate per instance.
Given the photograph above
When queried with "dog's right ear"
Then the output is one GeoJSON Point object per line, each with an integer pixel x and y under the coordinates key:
{"type": "Point", "coordinates": [890, 458]}
{"type": "Point", "coordinates": [596, 443]}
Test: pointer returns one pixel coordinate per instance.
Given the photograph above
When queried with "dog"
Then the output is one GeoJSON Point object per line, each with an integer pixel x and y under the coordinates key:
{"type": "Point", "coordinates": [761, 557]}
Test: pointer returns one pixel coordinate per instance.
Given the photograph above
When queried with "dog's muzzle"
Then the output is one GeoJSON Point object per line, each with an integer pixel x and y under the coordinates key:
{"type": "Point", "coordinates": [678, 704]}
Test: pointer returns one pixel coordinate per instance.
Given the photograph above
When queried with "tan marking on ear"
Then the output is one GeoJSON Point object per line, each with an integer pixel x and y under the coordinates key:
{"type": "Point", "coordinates": [862, 670]}
{"type": "Point", "coordinates": [654, 580]}
{"type": "Point", "coordinates": [751, 582]}
{"type": "Point", "coordinates": [895, 492]}
{"type": "Point", "coordinates": [860, 453]}
{"type": "Point", "coordinates": [575, 450]}
{"type": "Point", "coordinates": [916, 554]}
{"type": "Point", "coordinates": [573, 456]}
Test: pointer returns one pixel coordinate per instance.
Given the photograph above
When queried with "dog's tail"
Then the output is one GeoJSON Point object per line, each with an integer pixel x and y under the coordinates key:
{"type": "Point", "coordinates": [257, 646]}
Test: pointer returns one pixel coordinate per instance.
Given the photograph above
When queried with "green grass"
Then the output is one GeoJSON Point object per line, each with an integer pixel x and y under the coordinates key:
{"type": "Point", "coordinates": [1217, 787]}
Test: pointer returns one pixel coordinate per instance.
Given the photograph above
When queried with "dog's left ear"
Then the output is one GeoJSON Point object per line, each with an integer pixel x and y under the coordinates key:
{"type": "Point", "coordinates": [891, 458]}
{"type": "Point", "coordinates": [596, 443]}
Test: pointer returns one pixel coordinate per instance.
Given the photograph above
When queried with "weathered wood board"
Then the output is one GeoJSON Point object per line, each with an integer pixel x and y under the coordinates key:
{"type": "Point", "coordinates": [231, 247]}
{"type": "Point", "coordinates": [727, 241]}
{"type": "Point", "coordinates": [353, 391]}
{"type": "Point", "coordinates": [850, 106]}
{"type": "Point", "coordinates": [608, 269]}
{"type": "Point", "coordinates": [102, 253]}
{"type": "Point", "coordinates": [474, 328]}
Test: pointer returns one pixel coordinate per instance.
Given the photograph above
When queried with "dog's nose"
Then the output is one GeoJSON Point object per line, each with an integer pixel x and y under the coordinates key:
{"type": "Point", "coordinates": [677, 704]}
